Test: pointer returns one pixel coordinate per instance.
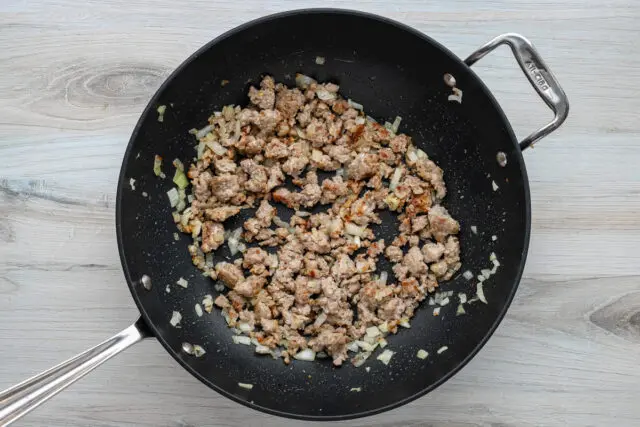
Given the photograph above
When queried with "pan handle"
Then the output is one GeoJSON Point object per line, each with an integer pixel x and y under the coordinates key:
{"type": "Point", "coordinates": [539, 75]}
{"type": "Point", "coordinates": [26, 396]}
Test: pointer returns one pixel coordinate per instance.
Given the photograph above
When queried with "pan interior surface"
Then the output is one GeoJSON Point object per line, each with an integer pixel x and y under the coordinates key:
{"type": "Point", "coordinates": [393, 71]}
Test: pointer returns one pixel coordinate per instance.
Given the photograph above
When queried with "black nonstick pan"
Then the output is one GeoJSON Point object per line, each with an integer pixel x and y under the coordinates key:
{"type": "Point", "coordinates": [393, 70]}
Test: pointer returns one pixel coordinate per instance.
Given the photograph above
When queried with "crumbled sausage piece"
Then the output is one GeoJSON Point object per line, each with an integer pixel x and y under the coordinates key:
{"type": "Point", "coordinates": [229, 273]}
{"type": "Point", "coordinates": [212, 236]}
{"type": "Point", "coordinates": [265, 97]}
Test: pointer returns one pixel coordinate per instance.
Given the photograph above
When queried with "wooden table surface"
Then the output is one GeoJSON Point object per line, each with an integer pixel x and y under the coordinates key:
{"type": "Point", "coordinates": [74, 76]}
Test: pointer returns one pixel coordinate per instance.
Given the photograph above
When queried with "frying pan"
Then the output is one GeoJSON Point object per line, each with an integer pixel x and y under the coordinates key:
{"type": "Point", "coordinates": [393, 70]}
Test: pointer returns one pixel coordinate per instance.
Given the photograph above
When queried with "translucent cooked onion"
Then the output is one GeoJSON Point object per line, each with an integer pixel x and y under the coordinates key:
{"type": "Point", "coordinates": [383, 278]}
{"type": "Point", "coordinates": [395, 179]}
{"type": "Point", "coordinates": [218, 149]}
{"type": "Point", "coordinates": [303, 81]}
{"type": "Point", "coordinates": [480, 293]}
{"type": "Point", "coordinates": [245, 327]}
{"type": "Point", "coordinates": [157, 165]}
{"type": "Point", "coordinates": [176, 317]}
{"type": "Point", "coordinates": [262, 349]}
{"type": "Point", "coordinates": [182, 282]}
{"type": "Point", "coordinates": [322, 317]}
{"type": "Point", "coordinates": [246, 386]}
{"type": "Point", "coordinates": [354, 230]}
{"type": "Point", "coordinates": [467, 275]}
{"type": "Point", "coordinates": [173, 197]}
{"type": "Point", "coordinates": [396, 124]}
{"type": "Point", "coordinates": [385, 356]}
{"type": "Point", "coordinates": [355, 105]}
{"type": "Point", "coordinates": [359, 359]}
{"type": "Point", "coordinates": [422, 354]}
{"type": "Point", "coordinates": [443, 349]}
{"type": "Point", "coordinates": [325, 95]}
{"type": "Point", "coordinates": [307, 355]}
{"type": "Point", "coordinates": [280, 223]}
{"type": "Point", "coordinates": [241, 339]}
{"type": "Point", "coordinates": [205, 130]}
{"type": "Point", "coordinates": [198, 309]}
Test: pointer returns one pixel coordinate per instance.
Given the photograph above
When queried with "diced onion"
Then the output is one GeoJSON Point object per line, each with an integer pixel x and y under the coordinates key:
{"type": "Point", "coordinates": [474, 229]}
{"type": "Point", "coordinates": [396, 124]}
{"type": "Point", "coordinates": [322, 317]}
{"type": "Point", "coordinates": [355, 105]}
{"type": "Point", "coordinates": [218, 149]}
{"type": "Point", "coordinates": [366, 346]}
{"type": "Point", "coordinates": [385, 356]}
{"type": "Point", "coordinates": [157, 165]}
{"type": "Point", "coordinates": [412, 156]}
{"type": "Point", "coordinates": [132, 183]}
{"type": "Point", "coordinates": [456, 96]}
{"type": "Point", "coordinates": [219, 287]}
{"type": "Point", "coordinates": [198, 351]}
{"type": "Point", "coordinates": [307, 355]}
{"type": "Point", "coordinates": [303, 81]}
{"type": "Point", "coordinates": [384, 327]}
{"type": "Point", "coordinates": [279, 222]}
{"type": "Point", "coordinates": [480, 293]}
{"type": "Point", "coordinates": [360, 120]}
{"type": "Point", "coordinates": [303, 214]}
{"type": "Point", "coordinates": [354, 230]}
{"type": "Point", "coordinates": [460, 311]}
{"type": "Point", "coordinates": [180, 179]}
{"type": "Point", "coordinates": [198, 310]}
{"type": "Point", "coordinates": [422, 354]}
{"type": "Point", "coordinates": [205, 130]}
{"type": "Point", "coordinates": [383, 278]}
{"type": "Point", "coordinates": [462, 297]}
{"type": "Point", "coordinates": [436, 311]}
{"type": "Point", "coordinates": [176, 317]}
{"type": "Point", "coordinates": [245, 327]}
{"type": "Point", "coordinates": [340, 172]}
{"type": "Point", "coordinates": [207, 302]}
{"type": "Point", "coordinates": [161, 109]}
{"type": "Point", "coordinates": [247, 386]}
{"type": "Point", "coordinates": [395, 179]}
{"type": "Point", "coordinates": [494, 186]}
{"type": "Point", "coordinates": [262, 349]}
{"type": "Point", "coordinates": [325, 95]}
{"type": "Point", "coordinates": [467, 275]}
{"type": "Point", "coordinates": [382, 343]}
{"type": "Point", "coordinates": [359, 359]}
{"type": "Point", "coordinates": [182, 282]}
{"type": "Point", "coordinates": [444, 302]}
{"type": "Point", "coordinates": [356, 389]}
{"type": "Point", "coordinates": [200, 149]}
{"type": "Point", "coordinates": [373, 331]}
{"type": "Point", "coordinates": [241, 339]}
{"type": "Point", "coordinates": [404, 322]}
{"type": "Point", "coordinates": [443, 349]}
{"type": "Point", "coordinates": [353, 347]}
{"type": "Point", "coordinates": [320, 60]}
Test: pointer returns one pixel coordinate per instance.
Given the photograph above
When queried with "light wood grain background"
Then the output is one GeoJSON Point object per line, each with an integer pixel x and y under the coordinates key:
{"type": "Point", "coordinates": [74, 76]}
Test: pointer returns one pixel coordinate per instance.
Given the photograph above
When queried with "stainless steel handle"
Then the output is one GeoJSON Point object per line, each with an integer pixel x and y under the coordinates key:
{"type": "Point", "coordinates": [539, 75]}
{"type": "Point", "coordinates": [28, 395]}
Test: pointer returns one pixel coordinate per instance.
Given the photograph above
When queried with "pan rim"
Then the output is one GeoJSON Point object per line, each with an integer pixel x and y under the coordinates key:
{"type": "Point", "coordinates": [131, 282]}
